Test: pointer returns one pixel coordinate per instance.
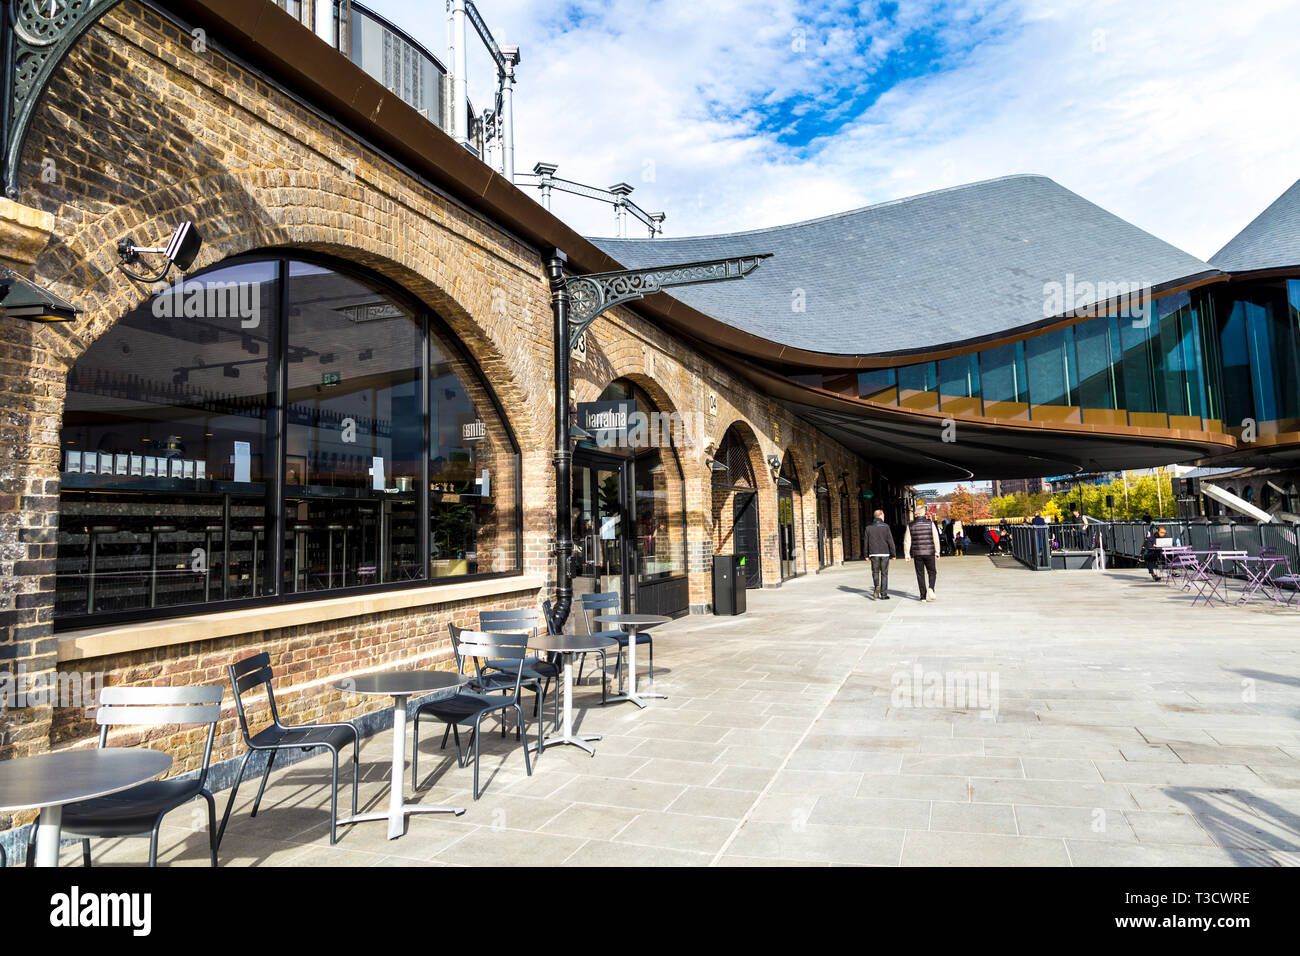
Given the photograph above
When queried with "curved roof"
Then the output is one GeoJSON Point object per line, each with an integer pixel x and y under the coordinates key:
{"type": "Point", "coordinates": [1271, 241]}
{"type": "Point", "coordinates": [956, 265]}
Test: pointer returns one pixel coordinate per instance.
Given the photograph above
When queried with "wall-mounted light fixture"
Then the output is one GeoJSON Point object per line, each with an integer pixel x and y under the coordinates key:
{"type": "Point", "coordinates": [775, 464]}
{"type": "Point", "coordinates": [180, 251]}
{"type": "Point", "coordinates": [21, 299]}
{"type": "Point", "coordinates": [715, 465]}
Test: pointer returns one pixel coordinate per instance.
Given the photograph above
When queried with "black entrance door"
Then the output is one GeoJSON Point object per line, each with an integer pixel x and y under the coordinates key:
{"type": "Point", "coordinates": [745, 532]}
{"type": "Point", "coordinates": [600, 529]}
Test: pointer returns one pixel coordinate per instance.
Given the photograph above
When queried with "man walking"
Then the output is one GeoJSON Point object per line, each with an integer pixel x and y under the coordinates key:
{"type": "Point", "coordinates": [880, 549]}
{"type": "Point", "coordinates": [921, 544]}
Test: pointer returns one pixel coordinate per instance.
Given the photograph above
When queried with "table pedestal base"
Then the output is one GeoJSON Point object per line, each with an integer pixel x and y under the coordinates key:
{"type": "Point", "coordinates": [637, 697]}
{"type": "Point", "coordinates": [398, 808]}
{"type": "Point", "coordinates": [397, 824]}
{"type": "Point", "coordinates": [48, 828]}
{"type": "Point", "coordinates": [566, 734]}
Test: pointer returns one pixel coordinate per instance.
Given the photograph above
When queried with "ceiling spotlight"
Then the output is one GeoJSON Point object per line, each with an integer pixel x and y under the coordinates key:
{"type": "Point", "coordinates": [366, 355]}
{"type": "Point", "coordinates": [21, 299]}
{"type": "Point", "coordinates": [180, 251]}
{"type": "Point", "coordinates": [230, 371]}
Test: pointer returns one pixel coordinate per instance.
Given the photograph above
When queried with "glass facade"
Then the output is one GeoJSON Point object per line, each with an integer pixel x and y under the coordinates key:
{"type": "Point", "coordinates": [276, 413]}
{"type": "Point", "coordinates": [1210, 360]}
{"type": "Point", "coordinates": [396, 61]}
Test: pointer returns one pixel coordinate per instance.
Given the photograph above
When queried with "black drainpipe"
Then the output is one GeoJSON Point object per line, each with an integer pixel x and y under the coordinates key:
{"type": "Point", "coordinates": [563, 455]}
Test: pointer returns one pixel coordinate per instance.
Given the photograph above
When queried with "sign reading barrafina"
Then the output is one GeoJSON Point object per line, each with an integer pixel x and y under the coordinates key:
{"type": "Point", "coordinates": [607, 421]}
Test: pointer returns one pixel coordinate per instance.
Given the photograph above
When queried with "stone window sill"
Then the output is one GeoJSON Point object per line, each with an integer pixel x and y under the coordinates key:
{"type": "Point", "coordinates": [121, 638]}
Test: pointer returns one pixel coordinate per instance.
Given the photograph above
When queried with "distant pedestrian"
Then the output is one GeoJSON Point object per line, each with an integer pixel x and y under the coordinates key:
{"type": "Point", "coordinates": [1151, 550]}
{"type": "Point", "coordinates": [921, 544]}
{"type": "Point", "coordinates": [881, 550]}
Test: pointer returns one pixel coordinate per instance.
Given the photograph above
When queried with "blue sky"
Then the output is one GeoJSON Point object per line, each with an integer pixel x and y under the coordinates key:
{"type": "Point", "coordinates": [736, 114]}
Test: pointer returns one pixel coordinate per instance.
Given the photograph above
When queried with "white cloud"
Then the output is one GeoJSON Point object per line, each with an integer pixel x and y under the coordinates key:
{"type": "Point", "coordinates": [1173, 117]}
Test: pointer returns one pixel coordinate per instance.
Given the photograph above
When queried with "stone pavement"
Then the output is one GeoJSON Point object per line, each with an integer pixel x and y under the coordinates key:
{"type": "Point", "coordinates": [1025, 718]}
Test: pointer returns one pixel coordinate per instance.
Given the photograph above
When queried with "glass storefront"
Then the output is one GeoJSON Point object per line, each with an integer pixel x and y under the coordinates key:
{"type": "Point", "coordinates": [276, 413]}
{"type": "Point", "coordinates": [629, 511]}
{"type": "Point", "coordinates": [1207, 360]}
{"type": "Point", "coordinates": [789, 519]}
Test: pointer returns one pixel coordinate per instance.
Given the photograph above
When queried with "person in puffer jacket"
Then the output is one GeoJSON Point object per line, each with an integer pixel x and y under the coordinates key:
{"type": "Point", "coordinates": [921, 544]}
{"type": "Point", "coordinates": [880, 549]}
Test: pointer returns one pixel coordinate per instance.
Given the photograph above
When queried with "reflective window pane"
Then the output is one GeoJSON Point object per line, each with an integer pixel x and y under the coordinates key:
{"type": "Point", "coordinates": [164, 449]}
{"type": "Point", "coordinates": [1003, 381]}
{"type": "Point", "coordinates": [959, 385]}
{"type": "Point", "coordinates": [354, 442]}
{"type": "Point", "coordinates": [918, 387]}
{"type": "Point", "coordinates": [473, 474]}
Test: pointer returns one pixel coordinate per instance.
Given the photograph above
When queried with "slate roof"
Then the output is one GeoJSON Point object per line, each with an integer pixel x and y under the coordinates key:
{"type": "Point", "coordinates": [1271, 241]}
{"type": "Point", "coordinates": [956, 265]}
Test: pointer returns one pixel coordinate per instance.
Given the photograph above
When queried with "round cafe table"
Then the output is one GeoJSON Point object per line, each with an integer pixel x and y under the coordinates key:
{"type": "Point", "coordinates": [568, 645]}
{"type": "Point", "coordinates": [51, 781]}
{"type": "Point", "coordinates": [401, 686]}
{"type": "Point", "coordinates": [633, 623]}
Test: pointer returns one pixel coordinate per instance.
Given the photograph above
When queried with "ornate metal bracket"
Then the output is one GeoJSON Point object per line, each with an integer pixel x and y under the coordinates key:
{"type": "Point", "coordinates": [592, 295]}
{"type": "Point", "coordinates": [38, 35]}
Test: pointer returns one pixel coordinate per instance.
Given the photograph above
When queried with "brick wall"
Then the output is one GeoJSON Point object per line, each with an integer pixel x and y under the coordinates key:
{"type": "Point", "coordinates": [144, 132]}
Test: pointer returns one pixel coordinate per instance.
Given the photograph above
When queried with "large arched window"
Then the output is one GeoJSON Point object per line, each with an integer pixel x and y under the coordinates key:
{"type": "Point", "coordinates": [277, 413]}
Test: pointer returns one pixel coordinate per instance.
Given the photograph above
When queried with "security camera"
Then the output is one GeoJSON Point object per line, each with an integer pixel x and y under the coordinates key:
{"type": "Point", "coordinates": [180, 251]}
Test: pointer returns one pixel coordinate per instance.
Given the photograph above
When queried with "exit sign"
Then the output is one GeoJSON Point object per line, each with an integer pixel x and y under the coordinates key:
{"type": "Point", "coordinates": [330, 378]}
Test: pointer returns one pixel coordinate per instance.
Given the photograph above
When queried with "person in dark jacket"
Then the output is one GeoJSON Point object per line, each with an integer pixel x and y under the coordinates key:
{"type": "Point", "coordinates": [1151, 550]}
{"type": "Point", "coordinates": [921, 544]}
{"type": "Point", "coordinates": [880, 549]}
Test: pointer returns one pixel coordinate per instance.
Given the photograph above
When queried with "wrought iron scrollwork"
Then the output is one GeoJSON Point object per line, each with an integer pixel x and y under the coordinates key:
{"type": "Point", "coordinates": [592, 295]}
{"type": "Point", "coordinates": [40, 35]}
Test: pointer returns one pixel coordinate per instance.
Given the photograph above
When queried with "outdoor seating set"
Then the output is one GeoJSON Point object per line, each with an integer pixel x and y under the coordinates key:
{"type": "Point", "coordinates": [1208, 573]}
{"type": "Point", "coordinates": [111, 791]}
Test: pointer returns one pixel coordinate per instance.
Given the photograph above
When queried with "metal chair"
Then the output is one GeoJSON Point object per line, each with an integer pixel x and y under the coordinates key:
{"type": "Point", "coordinates": [254, 672]}
{"type": "Point", "coordinates": [1288, 581]}
{"type": "Point", "coordinates": [139, 811]}
{"type": "Point", "coordinates": [507, 652]}
{"type": "Point", "coordinates": [538, 671]}
{"type": "Point", "coordinates": [484, 682]}
{"type": "Point", "coordinates": [610, 602]}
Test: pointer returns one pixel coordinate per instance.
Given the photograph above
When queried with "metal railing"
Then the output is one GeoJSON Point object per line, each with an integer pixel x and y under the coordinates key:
{"type": "Point", "coordinates": [1034, 545]}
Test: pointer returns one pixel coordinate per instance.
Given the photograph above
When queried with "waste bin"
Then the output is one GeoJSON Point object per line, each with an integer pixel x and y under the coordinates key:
{"type": "Point", "coordinates": [728, 584]}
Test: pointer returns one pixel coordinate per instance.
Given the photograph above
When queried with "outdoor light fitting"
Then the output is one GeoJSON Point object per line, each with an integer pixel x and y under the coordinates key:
{"type": "Point", "coordinates": [21, 299]}
{"type": "Point", "coordinates": [180, 251]}
{"type": "Point", "coordinates": [715, 465]}
{"type": "Point", "coordinates": [775, 464]}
